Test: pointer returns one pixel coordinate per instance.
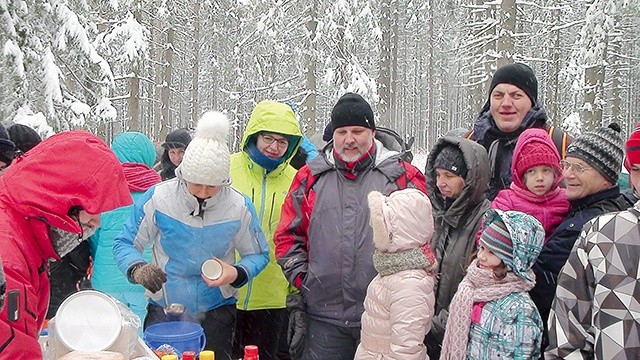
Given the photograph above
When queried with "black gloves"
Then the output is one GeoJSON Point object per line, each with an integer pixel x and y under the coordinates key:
{"type": "Point", "coordinates": [150, 276]}
{"type": "Point", "coordinates": [297, 332]}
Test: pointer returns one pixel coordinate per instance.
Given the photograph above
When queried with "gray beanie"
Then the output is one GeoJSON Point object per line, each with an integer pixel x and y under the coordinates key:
{"type": "Point", "coordinates": [602, 148]}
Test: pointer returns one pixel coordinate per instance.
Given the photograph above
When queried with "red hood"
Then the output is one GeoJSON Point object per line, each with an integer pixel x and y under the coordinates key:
{"type": "Point", "coordinates": [72, 168]}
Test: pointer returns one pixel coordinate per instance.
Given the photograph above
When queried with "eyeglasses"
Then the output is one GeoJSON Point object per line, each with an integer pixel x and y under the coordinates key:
{"type": "Point", "coordinates": [268, 139]}
{"type": "Point", "coordinates": [577, 168]}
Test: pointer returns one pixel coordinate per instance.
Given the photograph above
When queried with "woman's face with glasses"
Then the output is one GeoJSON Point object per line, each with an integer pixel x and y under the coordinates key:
{"type": "Point", "coordinates": [272, 145]}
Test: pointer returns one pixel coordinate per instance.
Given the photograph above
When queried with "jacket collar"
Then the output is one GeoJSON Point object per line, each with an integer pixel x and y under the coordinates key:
{"type": "Point", "coordinates": [585, 202]}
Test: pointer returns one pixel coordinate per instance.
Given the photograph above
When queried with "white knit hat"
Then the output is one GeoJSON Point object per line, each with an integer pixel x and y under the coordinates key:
{"type": "Point", "coordinates": [206, 159]}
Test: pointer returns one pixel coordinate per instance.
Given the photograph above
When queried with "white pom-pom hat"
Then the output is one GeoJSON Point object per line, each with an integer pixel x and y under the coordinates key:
{"type": "Point", "coordinates": [206, 159]}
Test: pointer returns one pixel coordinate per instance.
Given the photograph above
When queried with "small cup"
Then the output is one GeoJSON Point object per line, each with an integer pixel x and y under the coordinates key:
{"type": "Point", "coordinates": [211, 269]}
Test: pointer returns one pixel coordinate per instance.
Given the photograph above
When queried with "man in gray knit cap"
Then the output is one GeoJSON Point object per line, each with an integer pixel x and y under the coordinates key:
{"type": "Point", "coordinates": [590, 171]}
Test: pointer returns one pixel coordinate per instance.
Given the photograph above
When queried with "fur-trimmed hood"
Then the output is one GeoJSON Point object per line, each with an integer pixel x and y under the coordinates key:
{"type": "Point", "coordinates": [400, 221]}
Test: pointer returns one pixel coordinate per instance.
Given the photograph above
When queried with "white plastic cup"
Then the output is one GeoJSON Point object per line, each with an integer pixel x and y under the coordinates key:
{"type": "Point", "coordinates": [211, 269]}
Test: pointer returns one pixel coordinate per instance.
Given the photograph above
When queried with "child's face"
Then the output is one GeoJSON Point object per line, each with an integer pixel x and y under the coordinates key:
{"type": "Point", "coordinates": [539, 179]}
{"type": "Point", "coordinates": [487, 259]}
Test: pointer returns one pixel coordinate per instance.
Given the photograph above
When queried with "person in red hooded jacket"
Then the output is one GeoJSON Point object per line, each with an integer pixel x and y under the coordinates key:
{"type": "Point", "coordinates": [50, 199]}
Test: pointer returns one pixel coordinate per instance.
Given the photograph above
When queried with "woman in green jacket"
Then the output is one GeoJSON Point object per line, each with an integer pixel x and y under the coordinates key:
{"type": "Point", "coordinates": [262, 172]}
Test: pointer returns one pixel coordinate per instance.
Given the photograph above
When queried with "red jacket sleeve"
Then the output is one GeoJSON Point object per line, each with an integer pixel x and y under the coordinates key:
{"type": "Point", "coordinates": [291, 238]}
{"type": "Point", "coordinates": [19, 338]}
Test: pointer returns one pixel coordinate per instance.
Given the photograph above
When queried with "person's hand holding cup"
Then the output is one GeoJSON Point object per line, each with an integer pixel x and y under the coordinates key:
{"type": "Point", "coordinates": [216, 272]}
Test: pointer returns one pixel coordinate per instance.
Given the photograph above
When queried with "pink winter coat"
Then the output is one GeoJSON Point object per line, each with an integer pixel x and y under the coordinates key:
{"type": "Point", "coordinates": [551, 208]}
{"type": "Point", "coordinates": [398, 311]}
{"type": "Point", "coordinates": [400, 301]}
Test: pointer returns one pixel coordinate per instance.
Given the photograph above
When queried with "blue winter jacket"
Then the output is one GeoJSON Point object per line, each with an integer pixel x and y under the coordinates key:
{"type": "Point", "coordinates": [129, 147]}
{"type": "Point", "coordinates": [183, 234]}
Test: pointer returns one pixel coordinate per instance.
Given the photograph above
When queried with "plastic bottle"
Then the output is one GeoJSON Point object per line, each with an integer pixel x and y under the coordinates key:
{"type": "Point", "coordinates": [250, 352]}
{"type": "Point", "coordinates": [206, 355]}
{"type": "Point", "coordinates": [189, 355]}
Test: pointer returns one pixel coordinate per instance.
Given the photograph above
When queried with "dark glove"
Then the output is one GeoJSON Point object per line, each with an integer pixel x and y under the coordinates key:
{"type": "Point", "coordinates": [297, 332]}
{"type": "Point", "coordinates": [150, 276]}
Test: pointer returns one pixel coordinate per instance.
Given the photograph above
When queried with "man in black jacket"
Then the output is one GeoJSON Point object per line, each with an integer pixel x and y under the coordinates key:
{"type": "Point", "coordinates": [512, 107]}
{"type": "Point", "coordinates": [590, 171]}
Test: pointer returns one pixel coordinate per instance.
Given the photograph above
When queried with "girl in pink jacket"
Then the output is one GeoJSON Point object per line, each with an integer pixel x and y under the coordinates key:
{"type": "Point", "coordinates": [400, 299]}
{"type": "Point", "coordinates": [536, 177]}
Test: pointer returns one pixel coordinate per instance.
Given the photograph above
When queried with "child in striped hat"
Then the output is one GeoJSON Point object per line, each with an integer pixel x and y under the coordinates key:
{"type": "Point", "coordinates": [492, 315]}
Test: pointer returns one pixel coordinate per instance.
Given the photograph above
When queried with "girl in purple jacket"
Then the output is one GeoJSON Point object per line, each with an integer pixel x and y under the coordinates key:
{"type": "Point", "coordinates": [536, 177]}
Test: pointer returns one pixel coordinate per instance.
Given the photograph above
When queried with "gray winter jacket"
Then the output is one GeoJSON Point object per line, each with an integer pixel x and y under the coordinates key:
{"type": "Point", "coordinates": [324, 241]}
{"type": "Point", "coordinates": [456, 225]}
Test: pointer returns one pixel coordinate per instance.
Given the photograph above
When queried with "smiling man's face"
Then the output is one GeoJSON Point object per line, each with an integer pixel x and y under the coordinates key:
{"type": "Point", "coordinates": [509, 106]}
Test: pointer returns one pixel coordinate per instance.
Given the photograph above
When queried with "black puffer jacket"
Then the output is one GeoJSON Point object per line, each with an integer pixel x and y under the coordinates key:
{"type": "Point", "coordinates": [456, 225]}
{"type": "Point", "coordinates": [500, 145]}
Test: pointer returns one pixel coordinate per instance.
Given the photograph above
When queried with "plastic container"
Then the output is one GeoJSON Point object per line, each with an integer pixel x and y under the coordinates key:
{"type": "Point", "coordinates": [88, 321]}
{"type": "Point", "coordinates": [182, 335]}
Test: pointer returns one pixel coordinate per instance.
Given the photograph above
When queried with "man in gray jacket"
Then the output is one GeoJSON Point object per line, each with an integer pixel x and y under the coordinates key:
{"type": "Point", "coordinates": [323, 241]}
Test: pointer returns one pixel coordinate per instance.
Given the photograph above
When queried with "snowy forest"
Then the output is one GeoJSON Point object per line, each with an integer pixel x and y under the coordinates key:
{"type": "Point", "coordinates": [156, 65]}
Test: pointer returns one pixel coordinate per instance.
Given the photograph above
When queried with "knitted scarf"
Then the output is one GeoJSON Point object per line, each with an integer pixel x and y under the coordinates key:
{"type": "Point", "coordinates": [418, 258]}
{"type": "Point", "coordinates": [139, 177]}
{"type": "Point", "coordinates": [478, 285]}
{"type": "Point", "coordinates": [261, 159]}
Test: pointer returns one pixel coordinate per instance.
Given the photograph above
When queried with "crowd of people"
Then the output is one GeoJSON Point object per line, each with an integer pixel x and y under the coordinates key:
{"type": "Point", "coordinates": [515, 241]}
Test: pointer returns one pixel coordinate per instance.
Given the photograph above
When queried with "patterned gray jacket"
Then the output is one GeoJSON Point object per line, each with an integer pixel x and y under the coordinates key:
{"type": "Point", "coordinates": [595, 312]}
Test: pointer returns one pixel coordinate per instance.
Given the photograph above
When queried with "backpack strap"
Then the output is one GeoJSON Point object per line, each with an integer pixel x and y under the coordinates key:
{"type": "Point", "coordinates": [470, 134]}
{"type": "Point", "coordinates": [560, 140]}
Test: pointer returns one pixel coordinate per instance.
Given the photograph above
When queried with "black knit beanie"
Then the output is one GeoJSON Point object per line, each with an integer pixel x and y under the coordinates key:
{"type": "Point", "coordinates": [519, 75]}
{"type": "Point", "coordinates": [7, 147]}
{"type": "Point", "coordinates": [450, 158]}
{"type": "Point", "coordinates": [24, 137]}
{"type": "Point", "coordinates": [352, 110]}
{"type": "Point", "coordinates": [602, 148]}
{"type": "Point", "coordinates": [177, 139]}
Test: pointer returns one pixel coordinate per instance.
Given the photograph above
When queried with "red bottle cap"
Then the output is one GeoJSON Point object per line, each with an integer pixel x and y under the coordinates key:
{"type": "Point", "coordinates": [189, 355]}
{"type": "Point", "coordinates": [251, 352]}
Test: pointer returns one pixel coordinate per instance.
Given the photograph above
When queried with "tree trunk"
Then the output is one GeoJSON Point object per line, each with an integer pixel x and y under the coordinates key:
{"type": "Point", "coordinates": [592, 110]}
{"type": "Point", "coordinates": [384, 77]}
{"type": "Point", "coordinates": [309, 104]}
{"type": "Point", "coordinates": [392, 115]}
{"type": "Point", "coordinates": [507, 28]}
{"type": "Point", "coordinates": [166, 84]}
{"type": "Point", "coordinates": [195, 67]}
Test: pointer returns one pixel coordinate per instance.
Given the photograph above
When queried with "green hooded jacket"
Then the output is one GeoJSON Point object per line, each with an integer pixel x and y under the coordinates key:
{"type": "Point", "coordinates": [267, 191]}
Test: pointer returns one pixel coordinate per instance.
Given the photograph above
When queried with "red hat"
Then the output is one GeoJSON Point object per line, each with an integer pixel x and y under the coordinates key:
{"type": "Point", "coordinates": [633, 148]}
{"type": "Point", "coordinates": [535, 148]}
